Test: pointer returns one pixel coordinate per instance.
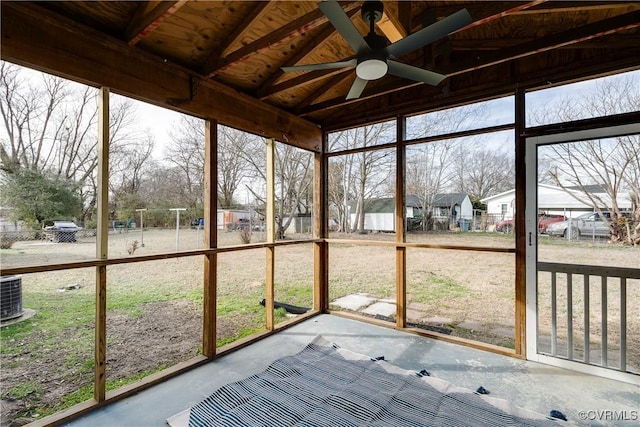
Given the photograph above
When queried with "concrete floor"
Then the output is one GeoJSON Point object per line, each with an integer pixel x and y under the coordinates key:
{"type": "Point", "coordinates": [530, 385]}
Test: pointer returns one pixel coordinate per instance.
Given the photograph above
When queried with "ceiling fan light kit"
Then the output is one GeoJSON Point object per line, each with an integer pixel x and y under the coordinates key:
{"type": "Point", "coordinates": [374, 57]}
{"type": "Point", "coordinates": [372, 68]}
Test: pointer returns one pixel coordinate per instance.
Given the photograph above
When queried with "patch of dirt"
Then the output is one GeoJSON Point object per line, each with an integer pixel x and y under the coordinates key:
{"type": "Point", "coordinates": [164, 334]}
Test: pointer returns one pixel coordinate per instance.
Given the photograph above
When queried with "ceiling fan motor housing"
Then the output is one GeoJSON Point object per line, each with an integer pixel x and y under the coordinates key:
{"type": "Point", "coordinates": [371, 9]}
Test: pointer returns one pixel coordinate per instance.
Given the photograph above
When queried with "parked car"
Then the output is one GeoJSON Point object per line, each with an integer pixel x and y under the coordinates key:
{"type": "Point", "coordinates": [60, 231]}
{"type": "Point", "coordinates": [588, 224]}
{"type": "Point", "coordinates": [544, 220]}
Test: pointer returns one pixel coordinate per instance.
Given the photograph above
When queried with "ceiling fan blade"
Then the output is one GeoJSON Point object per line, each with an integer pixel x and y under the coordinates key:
{"type": "Point", "coordinates": [324, 66]}
{"type": "Point", "coordinates": [414, 73]}
{"type": "Point", "coordinates": [333, 11]}
{"type": "Point", "coordinates": [356, 88]}
{"type": "Point", "coordinates": [430, 34]}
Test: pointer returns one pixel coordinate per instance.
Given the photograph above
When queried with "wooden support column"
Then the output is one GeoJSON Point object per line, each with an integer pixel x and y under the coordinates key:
{"type": "Point", "coordinates": [320, 222]}
{"type": "Point", "coordinates": [210, 299]}
{"type": "Point", "coordinates": [100, 379]}
{"type": "Point", "coordinates": [401, 251]}
{"type": "Point", "coordinates": [270, 218]}
{"type": "Point", "coordinates": [520, 227]}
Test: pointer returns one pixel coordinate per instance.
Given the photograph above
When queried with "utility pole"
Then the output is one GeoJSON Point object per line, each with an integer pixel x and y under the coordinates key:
{"type": "Point", "coordinates": [177, 210]}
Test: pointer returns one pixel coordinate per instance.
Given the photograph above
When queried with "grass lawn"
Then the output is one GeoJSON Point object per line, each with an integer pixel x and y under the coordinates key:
{"type": "Point", "coordinates": [155, 307]}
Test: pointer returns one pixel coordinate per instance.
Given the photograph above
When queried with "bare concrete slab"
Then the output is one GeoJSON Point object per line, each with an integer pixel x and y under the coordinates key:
{"type": "Point", "coordinates": [381, 309]}
{"type": "Point", "coordinates": [530, 385]}
{"type": "Point", "coordinates": [354, 302]}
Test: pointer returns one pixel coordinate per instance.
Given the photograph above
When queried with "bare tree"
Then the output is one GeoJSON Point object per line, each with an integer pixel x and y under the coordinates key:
{"type": "Point", "coordinates": [431, 167]}
{"type": "Point", "coordinates": [429, 171]}
{"type": "Point", "coordinates": [232, 166]}
{"type": "Point", "coordinates": [362, 174]}
{"type": "Point", "coordinates": [610, 164]}
{"type": "Point", "coordinates": [50, 127]}
{"type": "Point", "coordinates": [186, 155]}
{"type": "Point", "coordinates": [294, 178]}
{"type": "Point", "coordinates": [482, 172]}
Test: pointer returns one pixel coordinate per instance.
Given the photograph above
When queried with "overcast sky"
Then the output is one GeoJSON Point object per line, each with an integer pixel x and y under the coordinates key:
{"type": "Point", "coordinates": [161, 121]}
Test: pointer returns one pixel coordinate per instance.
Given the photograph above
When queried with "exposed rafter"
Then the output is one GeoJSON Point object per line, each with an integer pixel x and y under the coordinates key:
{"type": "Point", "coordinates": [149, 16]}
{"type": "Point", "coordinates": [576, 35]}
{"type": "Point", "coordinates": [390, 23]}
{"type": "Point", "coordinates": [305, 79]}
{"type": "Point", "coordinates": [341, 75]}
{"type": "Point", "coordinates": [239, 30]}
{"type": "Point", "coordinates": [267, 87]}
{"type": "Point", "coordinates": [295, 28]}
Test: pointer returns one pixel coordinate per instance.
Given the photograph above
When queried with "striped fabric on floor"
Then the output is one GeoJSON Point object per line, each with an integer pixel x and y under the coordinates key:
{"type": "Point", "coordinates": [328, 386]}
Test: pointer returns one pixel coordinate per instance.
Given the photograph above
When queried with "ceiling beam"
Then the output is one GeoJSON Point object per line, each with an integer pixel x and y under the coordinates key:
{"type": "Point", "coordinates": [465, 89]}
{"type": "Point", "coordinates": [390, 23]}
{"type": "Point", "coordinates": [254, 15]}
{"type": "Point", "coordinates": [148, 16]}
{"type": "Point", "coordinates": [266, 88]}
{"type": "Point", "coordinates": [556, 41]}
{"type": "Point", "coordinates": [497, 44]}
{"type": "Point", "coordinates": [563, 7]}
{"type": "Point", "coordinates": [46, 41]}
{"type": "Point", "coordinates": [295, 28]}
{"type": "Point", "coordinates": [576, 35]}
{"type": "Point", "coordinates": [304, 79]}
{"type": "Point", "coordinates": [322, 90]}
{"type": "Point", "coordinates": [499, 15]}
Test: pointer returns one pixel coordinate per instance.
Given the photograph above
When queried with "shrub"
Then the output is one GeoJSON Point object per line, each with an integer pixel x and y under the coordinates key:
{"type": "Point", "coordinates": [7, 240]}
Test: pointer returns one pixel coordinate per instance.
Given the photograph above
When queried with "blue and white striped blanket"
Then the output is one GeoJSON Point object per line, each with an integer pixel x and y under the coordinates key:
{"type": "Point", "coordinates": [328, 386]}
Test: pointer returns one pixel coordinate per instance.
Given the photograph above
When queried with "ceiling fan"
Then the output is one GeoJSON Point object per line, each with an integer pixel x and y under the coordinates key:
{"type": "Point", "coordinates": [374, 58]}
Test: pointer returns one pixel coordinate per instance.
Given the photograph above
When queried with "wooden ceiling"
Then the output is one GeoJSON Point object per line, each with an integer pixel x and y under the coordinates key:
{"type": "Point", "coordinates": [241, 45]}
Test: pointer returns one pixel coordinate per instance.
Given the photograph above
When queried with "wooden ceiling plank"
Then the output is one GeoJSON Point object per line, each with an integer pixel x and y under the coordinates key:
{"type": "Point", "coordinates": [255, 14]}
{"type": "Point", "coordinates": [148, 17]}
{"type": "Point", "coordinates": [497, 44]}
{"type": "Point", "coordinates": [304, 79]}
{"type": "Point", "coordinates": [555, 41]}
{"type": "Point", "coordinates": [564, 7]}
{"type": "Point", "coordinates": [512, 11]}
{"type": "Point", "coordinates": [470, 90]}
{"type": "Point", "coordinates": [321, 90]}
{"type": "Point", "coordinates": [586, 32]}
{"type": "Point", "coordinates": [282, 35]}
{"type": "Point", "coordinates": [327, 30]}
{"type": "Point", "coordinates": [46, 41]}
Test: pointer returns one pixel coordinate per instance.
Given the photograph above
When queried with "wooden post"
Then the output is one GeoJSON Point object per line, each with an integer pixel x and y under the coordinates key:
{"type": "Point", "coordinates": [320, 223]}
{"type": "Point", "coordinates": [210, 299]}
{"type": "Point", "coordinates": [520, 227]}
{"type": "Point", "coordinates": [271, 230]}
{"type": "Point", "coordinates": [100, 379]}
{"type": "Point", "coordinates": [401, 252]}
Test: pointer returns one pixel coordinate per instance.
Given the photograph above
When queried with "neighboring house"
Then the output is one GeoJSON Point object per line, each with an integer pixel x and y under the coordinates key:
{"type": "Point", "coordinates": [552, 200]}
{"type": "Point", "coordinates": [380, 213]}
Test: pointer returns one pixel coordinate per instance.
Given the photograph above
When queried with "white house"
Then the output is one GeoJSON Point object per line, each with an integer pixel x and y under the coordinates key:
{"type": "Point", "coordinates": [551, 200]}
{"type": "Point", "coordinates": [380, 213]}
